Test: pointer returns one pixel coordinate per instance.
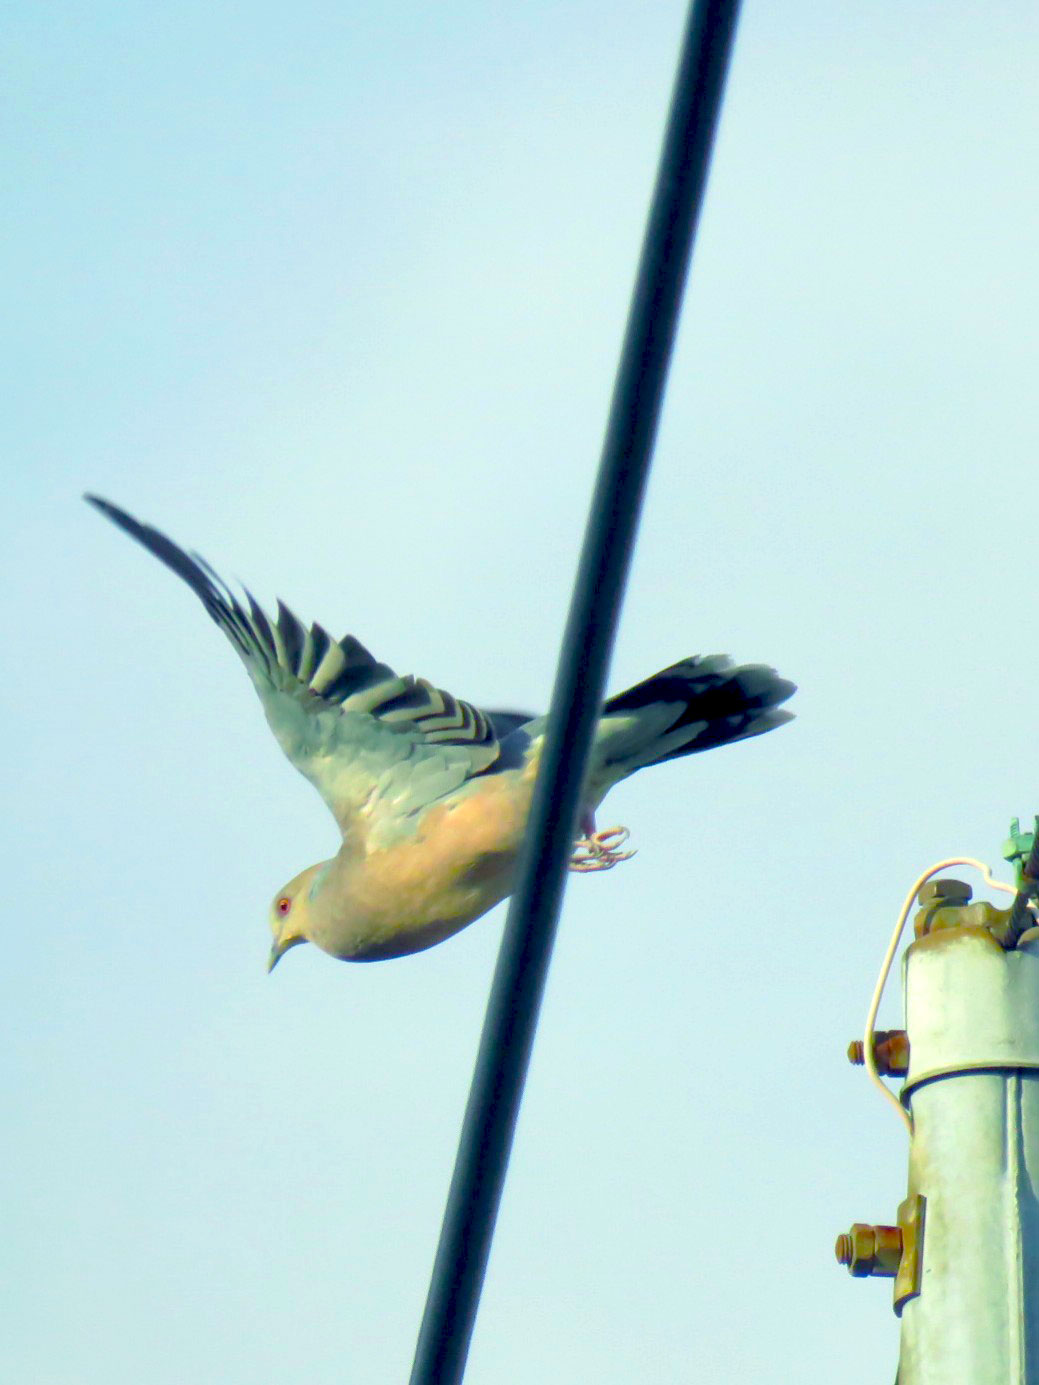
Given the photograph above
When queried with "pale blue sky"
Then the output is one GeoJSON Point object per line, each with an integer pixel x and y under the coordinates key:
{"type": "Point", "coordinates": [335, 297]}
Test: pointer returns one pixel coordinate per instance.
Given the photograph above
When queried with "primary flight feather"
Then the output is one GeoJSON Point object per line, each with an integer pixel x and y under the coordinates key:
{"type": "Point", "coordinates": [431, 794]}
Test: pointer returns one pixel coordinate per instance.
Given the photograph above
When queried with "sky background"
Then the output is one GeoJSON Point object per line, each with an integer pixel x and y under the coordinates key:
{"type": "Point", "coordinates": [334, 294]}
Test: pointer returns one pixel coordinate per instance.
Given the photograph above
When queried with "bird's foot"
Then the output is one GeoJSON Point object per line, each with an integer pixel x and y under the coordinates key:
{"type": "Point", "coordinates": [600, 850]}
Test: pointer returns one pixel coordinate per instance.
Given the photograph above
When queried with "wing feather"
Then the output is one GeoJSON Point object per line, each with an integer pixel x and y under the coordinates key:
{"type": "Point", "coordinates": [357, 730]}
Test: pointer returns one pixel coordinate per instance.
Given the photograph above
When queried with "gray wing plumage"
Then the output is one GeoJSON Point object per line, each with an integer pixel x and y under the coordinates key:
{"type": "Point", "coordinates": [366, 737]}
{"type": "Point", "coordinates": [504, 723]}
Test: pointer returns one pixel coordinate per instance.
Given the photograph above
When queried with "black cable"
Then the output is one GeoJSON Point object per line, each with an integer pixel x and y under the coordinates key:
{"type": "Point", "coordinates": [512, 1010]}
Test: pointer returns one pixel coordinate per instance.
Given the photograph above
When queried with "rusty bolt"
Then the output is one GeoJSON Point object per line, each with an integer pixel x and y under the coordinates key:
{"type": "Point", "coordinates": [870, 1250]}
{"type": "Point", "coordinates": [942, 905]}
{"type": "Point", "coordinates": [890, 1052]}
{"type": "Point", "coordinates": [951, 891]}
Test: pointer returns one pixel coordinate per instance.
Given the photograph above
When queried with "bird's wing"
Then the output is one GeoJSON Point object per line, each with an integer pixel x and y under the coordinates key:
{"type": "Point", "coordinates": [369, 740]}
{"type": "Point", "coordinates": [504, 723]}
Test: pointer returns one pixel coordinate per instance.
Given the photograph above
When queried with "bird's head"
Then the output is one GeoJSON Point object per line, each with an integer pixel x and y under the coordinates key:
{"type": "Point", "coordinates": [291, 909]}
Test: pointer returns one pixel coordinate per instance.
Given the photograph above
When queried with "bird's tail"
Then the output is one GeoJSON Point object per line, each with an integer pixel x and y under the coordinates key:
{"type": "Point", "coordinates": [693, 705]}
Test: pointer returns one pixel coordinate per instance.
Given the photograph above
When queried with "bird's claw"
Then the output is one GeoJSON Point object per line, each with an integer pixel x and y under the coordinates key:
{"type": "Point", "coordinates": [600, 850]}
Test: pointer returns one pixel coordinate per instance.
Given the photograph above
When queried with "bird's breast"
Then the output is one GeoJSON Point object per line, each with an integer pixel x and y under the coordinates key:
{"type": "Point", "coordinates": [459, 862]}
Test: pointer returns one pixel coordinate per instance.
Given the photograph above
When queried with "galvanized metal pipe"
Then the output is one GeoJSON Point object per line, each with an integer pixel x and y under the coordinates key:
{"type": "Point", "coordinates": [972, 1016]}
{"type": "Point", "coordinates": [512, 1011]}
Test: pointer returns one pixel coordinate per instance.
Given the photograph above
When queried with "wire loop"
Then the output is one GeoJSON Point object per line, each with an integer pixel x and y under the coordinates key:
{"type": "Point", "coordinates": [885, 968]}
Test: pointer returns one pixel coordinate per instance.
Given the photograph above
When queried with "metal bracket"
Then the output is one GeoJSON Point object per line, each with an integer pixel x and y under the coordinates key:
{"type": "Point", "coordinates": [910, 1266]}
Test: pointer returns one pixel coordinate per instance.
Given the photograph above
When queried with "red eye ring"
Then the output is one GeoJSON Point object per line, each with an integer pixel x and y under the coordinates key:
{"type": "Point", "coordinates": [283, 905]}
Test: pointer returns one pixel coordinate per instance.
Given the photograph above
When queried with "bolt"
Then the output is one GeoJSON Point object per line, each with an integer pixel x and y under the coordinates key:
{"type": "Point", "coordinates": [955, 891]}
{"type": "Point", "coordinates": [890, 1052]}
{"type": "Point", "coordinates": [870, 1250]}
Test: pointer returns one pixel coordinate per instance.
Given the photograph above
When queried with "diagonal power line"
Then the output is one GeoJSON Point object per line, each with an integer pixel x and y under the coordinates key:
{"type": "Point", "coordinates": [526, 949]}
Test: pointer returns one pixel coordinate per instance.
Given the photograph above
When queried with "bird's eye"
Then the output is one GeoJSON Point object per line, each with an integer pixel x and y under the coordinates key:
{"type": "Point", "coordinates": [284, 905]}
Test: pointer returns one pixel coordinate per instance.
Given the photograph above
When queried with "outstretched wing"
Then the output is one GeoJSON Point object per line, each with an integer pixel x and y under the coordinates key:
{"type": "Point", "coordinates": [369, 740]}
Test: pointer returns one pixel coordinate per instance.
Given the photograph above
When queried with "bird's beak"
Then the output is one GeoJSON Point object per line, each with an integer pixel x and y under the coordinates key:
{"type": "Point", "coordinates": [279, 948]}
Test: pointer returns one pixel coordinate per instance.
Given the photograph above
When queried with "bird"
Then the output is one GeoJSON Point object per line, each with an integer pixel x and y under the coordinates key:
{"type": "Point", "coordinates": [430, 793]}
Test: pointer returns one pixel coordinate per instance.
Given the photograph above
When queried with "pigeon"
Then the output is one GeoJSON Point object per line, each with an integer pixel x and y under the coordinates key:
{"type": "Point", "coordinates": [431, 794]}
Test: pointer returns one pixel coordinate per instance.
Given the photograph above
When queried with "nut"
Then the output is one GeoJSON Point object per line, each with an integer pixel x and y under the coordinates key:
{"type": "Point", "coordinates": [870, 1250]}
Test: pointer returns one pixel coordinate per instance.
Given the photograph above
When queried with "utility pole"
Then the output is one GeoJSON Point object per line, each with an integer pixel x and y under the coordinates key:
{"type": "Point", "coordinates": [964, 1246]}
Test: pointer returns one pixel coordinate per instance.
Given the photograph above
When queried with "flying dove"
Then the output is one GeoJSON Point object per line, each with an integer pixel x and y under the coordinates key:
{"type": "Point", "coordinates": [430, 793]}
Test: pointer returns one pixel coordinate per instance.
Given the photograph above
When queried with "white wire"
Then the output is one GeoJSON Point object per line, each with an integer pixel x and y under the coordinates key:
{"type": "Point", "coordinates": [889, 957]}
